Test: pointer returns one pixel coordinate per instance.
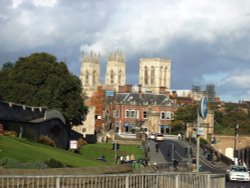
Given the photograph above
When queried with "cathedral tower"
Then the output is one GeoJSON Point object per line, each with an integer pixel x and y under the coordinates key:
{"type": "Point", "coordinates": [155, 73]}
{"type": "Point", "coordinates": [90, 72]}
{"type": "Point", "coordinates": [115, 70]}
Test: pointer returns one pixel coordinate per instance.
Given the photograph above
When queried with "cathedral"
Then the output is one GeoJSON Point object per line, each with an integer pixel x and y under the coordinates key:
{"type": "Point", "coordinates": [154, 73]}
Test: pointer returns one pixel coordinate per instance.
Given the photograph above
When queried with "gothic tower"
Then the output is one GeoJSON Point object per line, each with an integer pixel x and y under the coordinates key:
{"type": "Point", "coordinates": [154, 74]}
{"type": "Point", "coordinates": [115, 70]}
{"type": "Point", "coordinates": [90, 72]}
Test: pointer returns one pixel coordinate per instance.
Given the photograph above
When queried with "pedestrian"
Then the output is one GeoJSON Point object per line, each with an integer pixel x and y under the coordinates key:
{"type": "Point", "coordinates": [175, 164]}
{"type": "Point", "coordinates": [157, 147]}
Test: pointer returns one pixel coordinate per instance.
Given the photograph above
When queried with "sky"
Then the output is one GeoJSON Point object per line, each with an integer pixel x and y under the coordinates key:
{"type": "Point", "coordinates": [207, 41]}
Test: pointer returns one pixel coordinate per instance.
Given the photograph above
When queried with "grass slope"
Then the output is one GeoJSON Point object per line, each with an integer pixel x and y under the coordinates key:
{"type": "Point", "coordinates": [24, 150]}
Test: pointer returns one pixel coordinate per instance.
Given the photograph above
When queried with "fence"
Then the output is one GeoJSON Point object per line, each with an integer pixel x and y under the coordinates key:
{"type": "Point", "coordinates": [154, 180]}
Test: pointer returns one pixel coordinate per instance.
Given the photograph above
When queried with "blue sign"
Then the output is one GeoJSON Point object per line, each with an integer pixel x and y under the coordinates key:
{"type": "Point", "coordinates": [204, 107]}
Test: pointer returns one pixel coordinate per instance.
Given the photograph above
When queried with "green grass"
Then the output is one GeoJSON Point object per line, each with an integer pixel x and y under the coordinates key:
{"type": "Point", "coordinates": [97, 150]}
{"type": "Point", "coordinates": [24, 150]}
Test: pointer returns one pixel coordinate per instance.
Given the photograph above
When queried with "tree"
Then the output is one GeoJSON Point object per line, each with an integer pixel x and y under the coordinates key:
{"type": "Point", "coordinates": [184, 114]}
{"type": "Point", "coordinates": [39, 80]}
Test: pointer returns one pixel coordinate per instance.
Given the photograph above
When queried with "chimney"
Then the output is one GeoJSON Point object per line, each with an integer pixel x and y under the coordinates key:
{"type": "Point", "coordinates": [174, 94]}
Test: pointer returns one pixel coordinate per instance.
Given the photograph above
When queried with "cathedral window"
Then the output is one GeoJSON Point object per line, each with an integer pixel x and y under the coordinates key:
{"type": "Point", "coordinates": [119, 77]}
{"type": "Point", "coordinates": [94, 77]}
{"type": "Point", "coordinates": [112, 77]}
{"type": "Point", "coordinates": [87, 78]}
{"type": "Point", "coordinates": [165, 76]}
{"type": "Point", "coordinates": [152, 75]}
{"type": "Point", "coordinates": [146, 76]}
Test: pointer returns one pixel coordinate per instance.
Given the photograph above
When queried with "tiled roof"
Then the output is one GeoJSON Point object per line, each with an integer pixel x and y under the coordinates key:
{"type": "Point", "coordinates": [143, 99]}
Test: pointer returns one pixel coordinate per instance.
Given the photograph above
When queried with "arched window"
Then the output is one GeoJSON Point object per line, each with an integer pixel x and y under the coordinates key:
{"type": "Point", "coordinates": [94, 78]}
{"type": "Point", "coordinates": [111, 76]}
{"type": "Point", "coordinates": [152, 75]}
{"type": "Point", "coordinates": [165, 76]}
{"type": "Point", "coordinates": [87, 78]}
{"type": "Point", "coordinates": [146, 76]}
{"type": "Point", "coordinates": [119, 77]}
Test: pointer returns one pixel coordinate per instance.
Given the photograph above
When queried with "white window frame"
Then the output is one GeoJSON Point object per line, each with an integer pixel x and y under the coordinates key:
{"type": "Point", "coordinates": [127, 114]}
{"type": "Point", "coordinates": [133, 114]}
{"type": "Point", "coordinates": [168, 115]}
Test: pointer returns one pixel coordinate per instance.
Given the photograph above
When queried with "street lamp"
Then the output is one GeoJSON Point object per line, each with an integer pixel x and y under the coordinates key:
{"type": "Point", "coordinates": [236, 136]}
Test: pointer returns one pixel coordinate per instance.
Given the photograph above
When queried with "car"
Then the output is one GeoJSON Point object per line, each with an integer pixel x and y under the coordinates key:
{"type": "Point", "coordinates": [152, 136]}
{"type": "Point", "coordinates": [238, 173]}
{"type": "Point", "coordinates": [160, 137]}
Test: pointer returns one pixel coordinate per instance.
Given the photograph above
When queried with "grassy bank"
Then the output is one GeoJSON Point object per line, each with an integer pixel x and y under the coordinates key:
{"type": "Point", "coordinates": [24, 150]}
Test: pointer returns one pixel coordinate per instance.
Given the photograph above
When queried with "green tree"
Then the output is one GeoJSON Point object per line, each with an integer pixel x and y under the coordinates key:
{"type": "Point", "coordinates": [184, 114]}
{"type": "Point", "coordinates": [39, 80]}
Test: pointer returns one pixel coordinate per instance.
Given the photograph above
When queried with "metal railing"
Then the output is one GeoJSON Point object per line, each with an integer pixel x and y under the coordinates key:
{"type": "Point", "coordinates": [154, 180]}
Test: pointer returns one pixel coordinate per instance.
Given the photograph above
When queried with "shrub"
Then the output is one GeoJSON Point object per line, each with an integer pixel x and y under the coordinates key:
{"type": "Point", "coordinates": [7, 162]}
{"type": "Point", "coordinates": [46, 140]}
{"type": "Point", "coordinates": [81, 142]}
{"type": "Point", "coordinates": [53, 163]}
{"type": "Point", "coordinates": [9, 133]}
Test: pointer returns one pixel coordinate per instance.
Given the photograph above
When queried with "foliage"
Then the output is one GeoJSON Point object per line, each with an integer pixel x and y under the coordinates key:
{"type": "Point", "coordinates": [39, 80]}
{"type": "Point", "coordinates": [53, 163]}
{"type": "Point", "coordinates": [226, 121]}
{"type": "Point", "coordinates": [8, 162]}
{"type": "Point", "coordinates": [184, 114]}
{"type": "Point", "coordinates": [46, 140]}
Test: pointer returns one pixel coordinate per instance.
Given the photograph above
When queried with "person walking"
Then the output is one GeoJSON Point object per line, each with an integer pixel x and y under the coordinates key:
{"type": "Point", "coordinates": [157, 147]}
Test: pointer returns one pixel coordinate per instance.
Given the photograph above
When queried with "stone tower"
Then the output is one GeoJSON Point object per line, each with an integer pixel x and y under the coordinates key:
{"type": "Point", "coordinates": [154, 73]}
{"type": "Point", "coordinates": [90, 72]}
{"type": "Point", "coordinates": [115, 70]}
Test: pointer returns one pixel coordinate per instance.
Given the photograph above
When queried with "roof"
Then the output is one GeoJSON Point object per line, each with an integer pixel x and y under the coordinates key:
{"type": "Point", "coordinates": [140, 99]}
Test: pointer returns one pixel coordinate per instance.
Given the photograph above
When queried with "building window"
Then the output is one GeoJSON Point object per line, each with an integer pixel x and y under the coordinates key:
{"type": "Point", "coordinates": [162, 115]}
{"type": "Point", "coordinates": [152, 75]}
{"type": "Point", "coordinates": [145, 115]}
{"type": "Point", "coordinates": [117, 115]}
{"type": "Point", "coordinates": [87, 78]}
{"type": "Point", "coordinates": [165, 77]}
{"type": "Point", "coordinates": [127, 114]}
{"type": "Point", "coordinates": [133, 113]}
{"type": "Point", "coordinates": [172, 115]}
{"type": "Point", "coordinates": [168, 115]}
{"type": "Point", "coordinates": [112, 77]}
{"type": "Point", "coordinates": [120, 77]}
{"type": "Point", "coordinates": [146, 76]}
{"type": "Point", "coordinates": [94, 77]}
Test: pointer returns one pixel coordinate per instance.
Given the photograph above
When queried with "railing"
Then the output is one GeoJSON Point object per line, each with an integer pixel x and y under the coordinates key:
{"type": "Point", "coordinates": [154, 180]}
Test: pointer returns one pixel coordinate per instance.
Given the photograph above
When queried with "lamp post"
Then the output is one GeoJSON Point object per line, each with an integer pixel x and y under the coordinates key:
{"type": "Point", "coordinates": [236, 136]}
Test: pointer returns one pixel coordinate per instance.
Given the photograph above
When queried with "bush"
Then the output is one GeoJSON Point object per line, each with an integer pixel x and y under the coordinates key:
{"type": "Point", "coordinates": [13, 163]}
{"type": "Point", "coordinates": [46, 140]}
{"type": "Point", "coordinates": [203, 141]}
{"type": "Point", "coordinates": [53, 163]}
{"type": "Point", "coordinates": [81, 142]}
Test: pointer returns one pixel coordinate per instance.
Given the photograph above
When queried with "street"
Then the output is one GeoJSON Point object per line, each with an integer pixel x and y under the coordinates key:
{"type": "Point", "coordinates": [175, 149]}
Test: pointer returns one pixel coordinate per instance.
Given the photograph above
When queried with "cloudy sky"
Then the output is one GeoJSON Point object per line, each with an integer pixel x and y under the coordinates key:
{"type": "Point", "coordinates": [207, 41]}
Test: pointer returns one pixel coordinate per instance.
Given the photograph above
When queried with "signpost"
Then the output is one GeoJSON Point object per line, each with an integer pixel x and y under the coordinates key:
{"type": "Point", "coordinates": [201, 111]}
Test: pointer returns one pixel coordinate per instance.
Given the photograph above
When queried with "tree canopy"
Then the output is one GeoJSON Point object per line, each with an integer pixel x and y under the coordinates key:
{"type": "Point", "coordinates": [39, 80]}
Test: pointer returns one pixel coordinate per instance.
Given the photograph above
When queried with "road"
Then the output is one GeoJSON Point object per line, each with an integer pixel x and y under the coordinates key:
{"type": "Point", "coordinates": [174, 149]}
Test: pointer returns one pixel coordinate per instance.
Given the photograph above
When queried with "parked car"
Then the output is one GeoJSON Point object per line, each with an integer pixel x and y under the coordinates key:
{"type": "Point", "coordinates": [160, 137]}
{"type": "Point", "coordinates": [237, 173]}
{"type": "Point", "coordinates": [152, 136]}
